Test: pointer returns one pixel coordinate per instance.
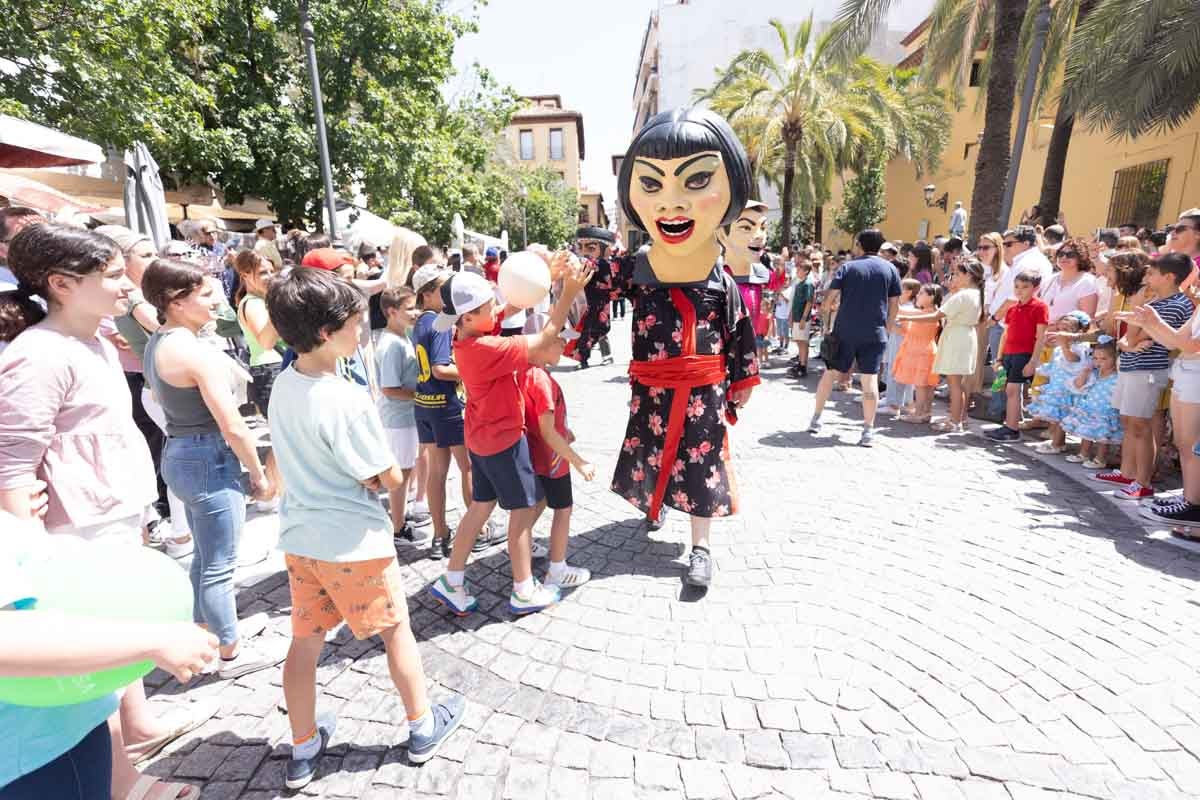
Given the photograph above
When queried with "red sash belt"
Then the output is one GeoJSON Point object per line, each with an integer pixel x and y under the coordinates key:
{"type": "Point", "coordinates": [681, 373]}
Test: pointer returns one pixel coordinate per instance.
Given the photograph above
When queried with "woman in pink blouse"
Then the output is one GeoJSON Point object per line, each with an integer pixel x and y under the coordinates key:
{"type": "Point", "coordinates": [65, 419]}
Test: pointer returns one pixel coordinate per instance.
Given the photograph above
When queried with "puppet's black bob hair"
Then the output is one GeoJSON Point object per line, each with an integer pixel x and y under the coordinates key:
{"type": "Point", "coordinates": [683, 132]}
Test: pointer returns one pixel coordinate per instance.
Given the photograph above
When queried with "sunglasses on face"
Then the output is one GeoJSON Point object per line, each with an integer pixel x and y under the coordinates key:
{"type": "Point", "coordinates": [986, 247]}
{"type": "Point", "coordinates": [1067, 254]}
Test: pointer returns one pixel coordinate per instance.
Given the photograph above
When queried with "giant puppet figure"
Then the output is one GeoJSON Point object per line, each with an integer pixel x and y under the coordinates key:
{"type": "Point", "coordinates": [744, 243]}
{"type": "Point", "coordinates": [593, 243]}
{"type": "Point", "coordinates": [684, 177]}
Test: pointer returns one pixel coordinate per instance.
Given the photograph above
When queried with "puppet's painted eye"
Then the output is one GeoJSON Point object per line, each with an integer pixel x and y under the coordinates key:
{"type": "Point", "coordinates": [698, 180]}
{"type": "Point", "coordinates": [650, 185]}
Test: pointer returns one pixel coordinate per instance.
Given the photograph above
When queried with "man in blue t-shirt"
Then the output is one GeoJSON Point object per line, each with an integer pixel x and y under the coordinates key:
{"type": "Point", "coordinates": [865, 292]}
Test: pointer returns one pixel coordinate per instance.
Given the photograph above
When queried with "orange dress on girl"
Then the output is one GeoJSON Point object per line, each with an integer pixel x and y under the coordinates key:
{"type": "Point", "coordinates": [914, 361]}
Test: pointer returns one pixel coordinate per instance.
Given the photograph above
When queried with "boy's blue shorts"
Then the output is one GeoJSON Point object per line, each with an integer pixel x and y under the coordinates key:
{"type": "Point", "coordinates": [506, 477]}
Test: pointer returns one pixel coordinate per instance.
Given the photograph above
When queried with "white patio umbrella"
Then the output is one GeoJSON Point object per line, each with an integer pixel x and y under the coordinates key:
{"type": "Point", "coordinates": [27, 144]}
{"type": "Point", "coordinates": [145, 201]}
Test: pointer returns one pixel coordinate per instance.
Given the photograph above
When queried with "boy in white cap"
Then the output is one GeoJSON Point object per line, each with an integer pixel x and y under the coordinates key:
{"type": "Point", "coordinates": [501, 469]}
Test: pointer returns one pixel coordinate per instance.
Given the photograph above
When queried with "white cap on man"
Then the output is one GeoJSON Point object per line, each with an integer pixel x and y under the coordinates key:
{"type": "Point", "coordinates": [263, 223]}
{"type": "Point", "coordinates": [428, 274]}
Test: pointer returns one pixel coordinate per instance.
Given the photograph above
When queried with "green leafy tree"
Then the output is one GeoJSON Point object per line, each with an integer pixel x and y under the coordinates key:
{"type": "Point", "coordinates": [536, 202]}
{"type": "Point", "coordinates": [808, 114]}
{"type": "Point", "coordinates": [863, 202]}
{"type": "Point", "coordinates": [219, 91]}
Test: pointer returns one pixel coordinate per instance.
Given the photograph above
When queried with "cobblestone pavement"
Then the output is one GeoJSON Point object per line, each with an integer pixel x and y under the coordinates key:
{"type": "Point", "coordinates": [942, 619]}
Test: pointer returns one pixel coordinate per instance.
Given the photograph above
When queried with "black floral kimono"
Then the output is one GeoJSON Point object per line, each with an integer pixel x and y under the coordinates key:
{"type": "Point", "coordinates": [596, 321]}
{"type": "Point", "coordinates": [692, 345]}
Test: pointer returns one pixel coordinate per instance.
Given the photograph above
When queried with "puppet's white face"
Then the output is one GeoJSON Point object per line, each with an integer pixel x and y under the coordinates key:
{"type": "Point", "coordinates": [681, 201]}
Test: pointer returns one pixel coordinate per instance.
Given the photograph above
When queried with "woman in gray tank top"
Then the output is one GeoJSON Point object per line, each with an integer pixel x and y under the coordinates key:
{"type": "Point", "coordinates": [208, 443]}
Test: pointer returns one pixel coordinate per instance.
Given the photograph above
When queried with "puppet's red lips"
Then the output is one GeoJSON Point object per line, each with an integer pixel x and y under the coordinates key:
{"type": "Point", "coordinates": [675, 230]}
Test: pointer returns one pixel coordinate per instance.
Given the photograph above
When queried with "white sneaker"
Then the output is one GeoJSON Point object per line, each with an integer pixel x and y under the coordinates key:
{"type": "Point", "coordinates": [249, 659]}
{"type": "Point", "coordinates": [538, 550]}
{"type": "Point", "coordinates": [568, 578]}
{"type": "Point", "coordinates": [541, 598]}
{"type": "Point", "coordinates": [453, 597]}
{"type": "Point", "coordinates": [814, 427]}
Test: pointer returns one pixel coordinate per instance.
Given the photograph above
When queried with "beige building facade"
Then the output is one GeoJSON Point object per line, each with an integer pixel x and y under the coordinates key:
{"type": "Point", "coordinates": [544, 134]}
{"type": "Point", "coordinates": [1147, 181]}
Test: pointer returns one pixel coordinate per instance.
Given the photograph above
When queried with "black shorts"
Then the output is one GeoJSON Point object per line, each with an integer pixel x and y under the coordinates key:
{"type": "Point", "coordinates": [441, 431]}
{"type": "Point", "coordinates": [506, 477]}
{"type": "Point", "coordinates": [1014, 367]}
{"type": "Point", "coordinates": [263, 380]}
{"type": "Point", "coordinates": [867, 354]}
{"type": "Point", "coordinates": [557, 491]}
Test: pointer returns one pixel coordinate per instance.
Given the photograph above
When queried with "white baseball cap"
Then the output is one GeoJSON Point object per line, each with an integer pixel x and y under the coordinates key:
{"type": "Point", "coordinates": [426, 275]}
{"type": "Point", "coordinates": [462, 294]}
{"type": "Point", "coordinates": [263, 223]}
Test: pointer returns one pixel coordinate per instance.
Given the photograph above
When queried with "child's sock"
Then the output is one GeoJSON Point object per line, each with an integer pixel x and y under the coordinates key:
{"type": "Point", "coordinates": [307, 746]}
{"type": "Point", "coordinates": [523, 588]}
{"type": "Point", "coordinates": [456, 577]}
{"type": "Point", "coordinates": [421, 725]}
{"type": "Point", "coordinates": [557, 568]}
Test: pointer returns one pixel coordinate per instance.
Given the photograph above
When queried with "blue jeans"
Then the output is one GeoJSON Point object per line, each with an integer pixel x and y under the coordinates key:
{"type": "Point", "coordinates": [82, 773]}
{"type": "Point", "coordinates": [997, 402]}
{"type": "Point", "coordinates": [203, 471]}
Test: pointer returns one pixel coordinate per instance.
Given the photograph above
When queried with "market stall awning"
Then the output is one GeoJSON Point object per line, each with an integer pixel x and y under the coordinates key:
{"type": "Point", "coordinates": [27, 144]}
{"type": "Point", "coordinates": [23, 191]}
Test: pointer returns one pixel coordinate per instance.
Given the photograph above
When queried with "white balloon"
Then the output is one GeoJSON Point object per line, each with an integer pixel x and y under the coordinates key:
{"type": "Point", "coordinates": [524, 279]}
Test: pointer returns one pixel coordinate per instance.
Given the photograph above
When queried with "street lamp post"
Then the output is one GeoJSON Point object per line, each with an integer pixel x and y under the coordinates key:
{"type": "Point", "coordinates": [524, 225]}
{"type": "Point", "coordinates": [308, 35]}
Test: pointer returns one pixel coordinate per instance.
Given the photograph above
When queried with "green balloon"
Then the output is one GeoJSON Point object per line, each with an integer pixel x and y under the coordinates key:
{"type": "Point", "coordinates": [102, 581]}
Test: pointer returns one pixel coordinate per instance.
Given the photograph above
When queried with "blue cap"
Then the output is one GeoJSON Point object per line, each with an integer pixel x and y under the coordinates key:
{"type": "Point", "coordinates": [491, 252]}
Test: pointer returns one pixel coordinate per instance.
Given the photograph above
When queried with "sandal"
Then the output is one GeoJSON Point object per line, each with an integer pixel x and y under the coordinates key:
{"type": "Point", "coordinates": [170, 791]}
{"type": "Point", "coordinates": [1075, 458]}
{"type": "Point", "coordinates": [186, 718]}
{"type": "Point", "coordinates": [1048, 448]}
{"type": "Point", "coordinates": [943, 426]}
{"type": "Point", "coordinates": [915, 419]}
{"type": "Point", "coordinates": [1092, 463]}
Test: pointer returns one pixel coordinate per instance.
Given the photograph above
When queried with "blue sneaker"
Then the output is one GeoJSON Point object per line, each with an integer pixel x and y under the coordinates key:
{"type": "Point", "coordinates": [453, 597]}
{"type": "Point", "coordinates": [300, 771]}
{"type": "Point", "coordinates": [446, 717]}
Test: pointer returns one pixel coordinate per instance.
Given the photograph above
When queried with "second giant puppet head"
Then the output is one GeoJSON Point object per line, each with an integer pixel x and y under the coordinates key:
{"type": "Point", "coordinates": [744, 240]}
{"type": "Point", "coordinates": [593, 242]}
{"type": "Point", "coordinates": [684, 176]}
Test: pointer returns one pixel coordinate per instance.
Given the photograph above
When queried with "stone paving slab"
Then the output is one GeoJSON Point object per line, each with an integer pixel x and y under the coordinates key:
{"type": "Point", "coordinates": [931, 618]}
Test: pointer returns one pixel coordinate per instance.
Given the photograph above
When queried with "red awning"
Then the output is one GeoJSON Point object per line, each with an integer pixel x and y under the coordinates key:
{"type": "Point", "coordinates": [26, 192]}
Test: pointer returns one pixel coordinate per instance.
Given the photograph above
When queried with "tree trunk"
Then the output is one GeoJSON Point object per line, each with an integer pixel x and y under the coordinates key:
{"type": "Point", "coordinates": [995, 151]}
{"type": "Point", "coordinates": [1056, 165]}
{"type": "Point", "coordinates": [1050, 197]}
{"type": "Point", "coordinates": [790, 146]}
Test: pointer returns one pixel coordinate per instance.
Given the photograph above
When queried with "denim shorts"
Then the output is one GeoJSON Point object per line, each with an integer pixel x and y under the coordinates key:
{"type": "Point", "coordinates": [506, 477]}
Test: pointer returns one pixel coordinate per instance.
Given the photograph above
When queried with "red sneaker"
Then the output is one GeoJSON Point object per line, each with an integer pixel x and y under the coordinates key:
{"type": "Point", "coordinates": [1113, 476]}
{"type": "Point", "coordinates": [1135, 491]}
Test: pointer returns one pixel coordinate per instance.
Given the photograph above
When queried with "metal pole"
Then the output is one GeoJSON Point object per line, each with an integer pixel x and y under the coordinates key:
{"type": "Point", "coordinates": [524, 229]}
{"type": "Point", "coordinates": [310, 52]}
{"type": "Point", "coordinates": [1041, 26]}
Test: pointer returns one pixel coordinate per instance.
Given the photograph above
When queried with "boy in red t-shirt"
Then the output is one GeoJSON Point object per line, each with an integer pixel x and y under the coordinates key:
{"type": "Point", "coordinates": [501, 469]}
{"type": "Point", "coordinates": [1020, 347]}
{"type": "Point", "coordinates": [550, 450]}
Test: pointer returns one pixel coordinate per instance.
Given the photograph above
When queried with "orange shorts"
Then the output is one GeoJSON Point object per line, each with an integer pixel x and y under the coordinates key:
{"type": "Point", "coordinates": [369, 595]}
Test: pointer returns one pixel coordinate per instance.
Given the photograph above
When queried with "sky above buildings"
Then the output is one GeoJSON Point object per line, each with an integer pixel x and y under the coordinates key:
{"type": "Point", "coordinates": [585, 51]}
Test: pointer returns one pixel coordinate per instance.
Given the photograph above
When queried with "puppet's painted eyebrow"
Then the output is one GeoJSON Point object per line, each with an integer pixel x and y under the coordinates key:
{"type": "Point", "coordinates": [746, 219]}
{"type": "Point", "coordinates": [651, 166]}
{"type": "Point", "coordinates": [693, 160]}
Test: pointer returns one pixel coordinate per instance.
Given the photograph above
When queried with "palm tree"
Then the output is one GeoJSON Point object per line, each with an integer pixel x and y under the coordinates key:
{"type": "Point", "coordinates": [957, 29]}
{"type": "Point", "coordinates": [1133, 66]}
{"type": "Point", "coordinates": [808, 114]}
